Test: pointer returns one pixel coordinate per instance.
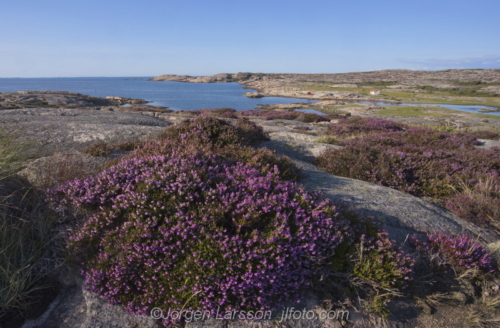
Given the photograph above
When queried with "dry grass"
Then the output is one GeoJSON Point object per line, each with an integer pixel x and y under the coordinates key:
{"type": "Point", "coordinates": [27, 236]}
{"type": "Point", "coordinates": [486, 193]}
{"type": "Point", "coordinates": [52, 171]}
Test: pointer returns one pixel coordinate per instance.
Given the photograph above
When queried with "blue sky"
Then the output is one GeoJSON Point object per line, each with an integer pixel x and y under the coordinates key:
{"type": "Point", "coordinates": [49, 38]}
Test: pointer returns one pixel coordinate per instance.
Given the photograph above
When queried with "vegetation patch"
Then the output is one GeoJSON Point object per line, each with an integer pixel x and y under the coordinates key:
{"type": "Point", "coordinates": [485, 134]}
{"type": "Point", "coordinates": [99, 148]}
{"type": "Point", "coordinates": [413, 111]}
{"type": "Point", "coordinates": [458, 253]}
{"type": "Point", "coordinates": [227, 235]}
{"type": "Point", "coordinates": [423, 162]}
{"type": "Point", "coordinates": [216, 228]}
{"type": "Point", "coordinates": [27, 239]}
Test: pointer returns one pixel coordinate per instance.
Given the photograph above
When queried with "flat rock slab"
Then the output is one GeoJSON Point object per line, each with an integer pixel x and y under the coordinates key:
{"type": "Point", "coordinates": [58, 129]}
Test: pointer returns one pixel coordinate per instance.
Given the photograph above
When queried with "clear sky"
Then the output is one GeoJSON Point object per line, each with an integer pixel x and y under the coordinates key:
{"type": "Point", "coordinates": [56, 38]}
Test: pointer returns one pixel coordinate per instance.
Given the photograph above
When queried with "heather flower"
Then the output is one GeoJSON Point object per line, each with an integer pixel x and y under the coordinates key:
{"type": "Point", "coordinates": [419, 161]}
{"type": "Point", "coordinates": [461, 251]}
{"type": "Point", "coordinates": [199, 232]}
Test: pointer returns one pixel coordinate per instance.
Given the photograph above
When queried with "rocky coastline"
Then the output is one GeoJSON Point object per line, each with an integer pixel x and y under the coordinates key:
{"type": "Point", "coordinates": [460, 84]}
{"type": "Point", "coordinates": [55, 99]}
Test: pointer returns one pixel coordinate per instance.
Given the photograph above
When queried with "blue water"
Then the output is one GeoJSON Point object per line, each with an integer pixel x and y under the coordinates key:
{"type": "Point", "coordinates": [174, 95]}
{"type": "Point", "coordinates": [463, 108]}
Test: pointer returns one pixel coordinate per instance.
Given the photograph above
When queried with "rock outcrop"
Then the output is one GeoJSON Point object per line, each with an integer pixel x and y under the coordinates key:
{"type": "Point", "coordinates": [33, 99]}
{"type": "Point", "coordinates": [59, 129]}
{"type": "Point", "coordinates": [221, 77]}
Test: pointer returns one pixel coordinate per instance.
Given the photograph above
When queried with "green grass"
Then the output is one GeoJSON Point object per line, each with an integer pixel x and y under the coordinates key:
{"type": "Point", "coordinates": [334, 109]}
{"type": "Point", "coordinates": [467, 94]}
{"type": "Point", "coordinates": [410, 111]}
{"type": "Point", "coordinates": [11, 154]}
{"type": "Point", "coordinates": [425, 111]}
{"type": "Point", "coordinates": [437, 98]}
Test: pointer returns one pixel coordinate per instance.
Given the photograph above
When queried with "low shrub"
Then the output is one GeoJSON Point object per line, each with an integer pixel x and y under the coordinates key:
{"type": "Point", "coordinates": [478, 202]}
{"type": "Point", "coordinates": [423, 162]}
{"type": "Point", "coordinates": [378, 260]}
{"type": "Point", "coordinates": [460, 252]}
{"type": "Point", "coordinates": [199, 233]}
{"type": "Point", "coordinates": [383, 267]}
{"type": "Point", "coordinates": [359, 125]}
{"type": "Point", "coordinates": [262, 159]}
{"type": "Point", "coordinates": [270, 114]}
{"type": "Point", "coordinates": [311, 118]}
{"type": "Point", "coordinates": [252, 133]}
{"type": "Point", "coordinates": [219, 112]}
{"type": "Point", "coordinates": [214, 132]}
{"type": "Point", "coordinates": [485, 134]}
{"type": "Point", "coordinates": [125, 145]}
{"type": "Point", "coordinates": [235, 149]}
{"type": "Point", "coordinates": [281, 115]}
{"type": "Point", "coordinates": [99, 148]}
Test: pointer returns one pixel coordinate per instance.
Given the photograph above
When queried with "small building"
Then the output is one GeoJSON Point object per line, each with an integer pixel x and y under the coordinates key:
{"type": "Point", "coordinates": [374, 92]}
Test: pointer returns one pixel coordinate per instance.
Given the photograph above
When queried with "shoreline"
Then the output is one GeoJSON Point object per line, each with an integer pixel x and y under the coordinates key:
{"type": "Point", "coordinates": [452, 87]}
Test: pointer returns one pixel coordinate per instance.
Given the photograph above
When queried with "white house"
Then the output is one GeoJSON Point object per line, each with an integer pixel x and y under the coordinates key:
{"type": "Point", "coordinates": [374, 92]}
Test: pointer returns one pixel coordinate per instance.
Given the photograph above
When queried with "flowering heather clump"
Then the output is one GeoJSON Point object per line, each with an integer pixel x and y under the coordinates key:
{"type": "Point", "coordinates": [461, 251]}
{"type": "Point", "coordinates": [419, 161]}
{"type": "Point", "coordinates": [199, 233]}
{"type": "Point", "coordinates": [281, 115]}
{"type": "Point", "coordinates": [261, 158]}
{"type": "Point", "coordinates": [360, 125]}
{"type": "Point", "coordinates": [253, 133]}
{"type": "Point", "coordinates": [311, 118]}
{"type": "Point", "coordinates": [271, 114]}
{"type": "Point", "coordinates": [211, 131]}
{"type": "Point", "coordinates": [467, 208]}
{"type": "Point", "coordinates": [424, 162]}
{"type": "Point", "coordinates": [244, 132]}
{"type": "Point", "coordinates": [251, 113]}
{"type": "Point", "coordinates": [219, 112]}
{"type": "Point", "coordinates": [485, 134]}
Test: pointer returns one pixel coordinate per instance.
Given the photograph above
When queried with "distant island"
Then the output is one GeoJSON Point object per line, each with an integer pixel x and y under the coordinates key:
{"type": "Point", "coordinates": [452, 86]}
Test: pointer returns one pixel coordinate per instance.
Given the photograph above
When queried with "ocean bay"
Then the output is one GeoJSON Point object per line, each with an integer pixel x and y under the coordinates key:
{"type": "Point", "coordinates": [174, 95]}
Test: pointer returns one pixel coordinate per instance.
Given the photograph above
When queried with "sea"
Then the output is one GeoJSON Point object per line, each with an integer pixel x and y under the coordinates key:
{"type": "Point", "coordinates": [174, 95]}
